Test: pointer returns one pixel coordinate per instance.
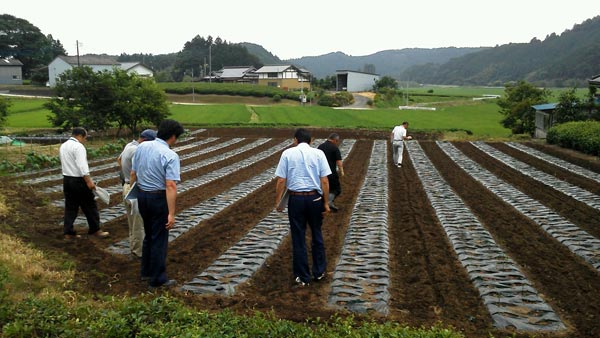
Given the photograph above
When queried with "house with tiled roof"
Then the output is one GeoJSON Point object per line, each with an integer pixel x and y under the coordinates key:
{"type": "Point", "coordinates": [98, 63]}
{"type": "Point", "coordinates": [237, 74]}
{"type": "Point", "coordinates": [284, 76]}
{"type": "Point", "coordinates": [11, 71]}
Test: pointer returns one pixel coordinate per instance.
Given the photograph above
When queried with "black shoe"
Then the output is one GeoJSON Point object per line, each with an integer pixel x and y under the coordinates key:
{"type": "Point", "coordinates": [332, 207]}
{"type": "Point", "coordinates": [298, 283]}
{"type": "Point", "coordinates": [321, 277]}
{"type": "Point", "coordinates": [169, 283]}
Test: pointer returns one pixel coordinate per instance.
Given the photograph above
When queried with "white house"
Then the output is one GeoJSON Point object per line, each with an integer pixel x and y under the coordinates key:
{"type": "Point", "coordinates": [283, 76]}
{"type": "Point", "coordinates": [353, 81]}
{"type": "Point", "coordinates": [98, 63]}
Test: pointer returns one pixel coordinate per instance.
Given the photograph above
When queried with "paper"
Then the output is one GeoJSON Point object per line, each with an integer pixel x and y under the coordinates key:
{"type": "Point", "coordinates": [102, 194]}
{"type": "Point", "coordinates": [132, 194]}
{"type": "Point", "coordinates": [284, 199]}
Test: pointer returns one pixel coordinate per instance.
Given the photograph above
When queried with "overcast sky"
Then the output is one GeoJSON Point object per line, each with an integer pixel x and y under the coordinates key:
{"type": "Point", "coordinates": [292, 29]}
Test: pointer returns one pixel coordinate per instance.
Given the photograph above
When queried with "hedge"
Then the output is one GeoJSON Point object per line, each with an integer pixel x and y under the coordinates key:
{"type": "Point", "coordinates": [583, 136]}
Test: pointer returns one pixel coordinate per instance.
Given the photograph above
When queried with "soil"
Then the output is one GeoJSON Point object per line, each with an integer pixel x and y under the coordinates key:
{"type": "Point", "coordinates": [428, 285]}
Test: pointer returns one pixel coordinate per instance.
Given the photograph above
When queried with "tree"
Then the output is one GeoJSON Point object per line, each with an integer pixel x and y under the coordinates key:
{"type": "Point", "coordinates": [4, 105]}
{"type": "Point", "coordinates": [516, 106]}
{"type": "Point", "coordinates": [25, 42]}
{"type": "Point", "coordinates": [569, 107]}
{"type": "Point", "coordinates": [100, 100]}
{"type": "Point", "coordinates": [385, 82]}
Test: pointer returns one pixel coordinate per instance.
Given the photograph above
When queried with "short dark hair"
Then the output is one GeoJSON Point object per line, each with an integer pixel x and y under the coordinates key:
{"type": "Point", "coordinates": [302, 135]}
{"type": "Point", "coordinates": [79, 131]}
{"type": "Point", "coordinates": [333, 136]}
{"type": "Point", "coordinates": [405, 122]}
{"type": "Point", "coordinates": [168, 128]}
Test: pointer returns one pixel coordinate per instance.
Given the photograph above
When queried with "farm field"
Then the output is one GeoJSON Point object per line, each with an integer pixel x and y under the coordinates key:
{"type": "Point", "coordinates": [488, 237]}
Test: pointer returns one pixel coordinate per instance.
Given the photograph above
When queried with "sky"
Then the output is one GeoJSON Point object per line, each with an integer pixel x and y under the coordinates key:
{"type": "Point", "coordinates": [293, 29]}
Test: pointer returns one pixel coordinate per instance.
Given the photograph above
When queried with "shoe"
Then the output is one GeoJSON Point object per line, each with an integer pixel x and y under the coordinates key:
{"type": "Point", "coordinates": [169, 283]}
{"type": "Point", "coordinates": [320, 277]}
{"type": "Point", "coordinates": [100, 234]}
{"type": "Point", "coordinates": [399, 165]}
{"type": "Point", "coordinates": [68, 236]}
{"type": "Point", "coordinates": [333, 207]}
{"type": "Point", "coordinates": [298, 283]}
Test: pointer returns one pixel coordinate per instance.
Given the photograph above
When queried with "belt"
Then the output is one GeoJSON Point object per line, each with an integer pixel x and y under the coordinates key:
{"type": "Point", "coordinates": [153, 191]}
{"type": "Point", "coordinates": [303, 193]}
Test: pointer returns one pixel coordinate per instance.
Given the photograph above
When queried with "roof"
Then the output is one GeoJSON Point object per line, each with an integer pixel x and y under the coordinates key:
{"type": "Point", "coordinates": [341, 71]}
{"type": "Point", "coordinates": [10, 62]}
{"type": "Point", "coordinates": [545, 106]}
{"type": "Point", "coordinates": [235, 72]}
{"type": "Point", "coordinates": [90, 60]}
{"type": "Point", "coordinates": [275, 69]}
{"type": "Point", "coordinates": [128, 65]}
{"type": "Point", "coordinates": [595, 80]}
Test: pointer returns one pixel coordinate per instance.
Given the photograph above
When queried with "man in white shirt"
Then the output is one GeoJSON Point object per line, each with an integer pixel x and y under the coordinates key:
{"type": "Point", "coordinates": [303, 171]}
{"type": "Point", "coordinates": [397, 138]}
{"type": "Point", "coordinates": [78, 186]}
{"type": "Point", "coordinates": [134, 219]}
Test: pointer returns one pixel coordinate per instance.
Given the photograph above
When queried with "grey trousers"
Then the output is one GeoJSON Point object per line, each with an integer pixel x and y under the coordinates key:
{"type": "Point", "coordinates": [398, 147]}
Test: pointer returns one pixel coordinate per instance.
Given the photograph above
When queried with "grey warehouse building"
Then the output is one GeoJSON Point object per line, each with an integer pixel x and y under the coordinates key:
{"type": "Point", "coordinates": [354, 81]}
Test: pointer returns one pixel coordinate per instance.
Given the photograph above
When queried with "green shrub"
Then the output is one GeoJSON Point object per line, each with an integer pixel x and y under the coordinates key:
{"type": "Point", "coordinates": [277, 98]}
{"type": "Point", "coordinates": [583, 136]}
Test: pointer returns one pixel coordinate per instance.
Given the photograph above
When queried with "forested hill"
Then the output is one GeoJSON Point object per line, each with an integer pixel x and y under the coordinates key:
{"type": "Point", "coordinates": [265, 57]}
{"type": "Point", "coordinates": [387, 62]}
{"type": "Point", "coordinates": [568, 59]}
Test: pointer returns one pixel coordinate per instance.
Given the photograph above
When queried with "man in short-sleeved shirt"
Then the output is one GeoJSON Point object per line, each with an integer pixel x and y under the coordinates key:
{"type": "Point", "coordinates": [78, 186]}
{"type": "Point", "coordinates": [156, 170]}
{"type": "Point", "coordinates": [303, 171]}
{"type": "Point", "coordinates": [134, 219]}
{"type": "Point", "coordinates": [397, 138]}
{"type": "Point", "coordinates": [334, 158]}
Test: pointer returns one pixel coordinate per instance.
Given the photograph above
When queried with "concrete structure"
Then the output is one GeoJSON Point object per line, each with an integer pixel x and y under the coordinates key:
{"type": "Point", "coordinates": [98, 63]}
{"type": "Point", "coordinates": [237, 74]}
{"type": "Point", "coordinates": [284, 76]}
{"type": "Point", "coordinates": [11, 72]}
{"type": "Point", "coordinates": [353, 81]}
{"type": "Point", "coordinates": [544, 118]}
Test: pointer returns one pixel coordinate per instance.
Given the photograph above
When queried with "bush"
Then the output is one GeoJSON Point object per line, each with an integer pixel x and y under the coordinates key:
{"type": "Point", "coordinates": [277, 98]}
{"type": "Point", "coordinates": [581, 136]}
{"type": "Point", "coordinates": [336, 100]}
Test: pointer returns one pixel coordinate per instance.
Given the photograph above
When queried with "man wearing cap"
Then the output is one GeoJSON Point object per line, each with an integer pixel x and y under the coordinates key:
{"type": "Point", "coordinates": [136, 223]}
{"type": "Point", "coordinates": [78, 186]}
{"type": "Point", "coordinates": [303, 170]}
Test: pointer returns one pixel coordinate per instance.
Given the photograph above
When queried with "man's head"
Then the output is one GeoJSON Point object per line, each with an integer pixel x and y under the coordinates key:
{"type": "Point", "coordinates": [334, 138]}
{"type": "Point", "coordinates": [302, 136]}
{"type": "Point", "coordinates": [147, 135]}
{"type": "Point", "coordinates": [169, 131]}
{"type": "Point", "coordinates": [79, 133]}
{"type": "Point", "coordinates": [405, 124]}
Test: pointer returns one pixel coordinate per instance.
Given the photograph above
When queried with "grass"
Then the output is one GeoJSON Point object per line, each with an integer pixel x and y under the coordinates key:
{"type": "Point", "coordinates": [27, 113]}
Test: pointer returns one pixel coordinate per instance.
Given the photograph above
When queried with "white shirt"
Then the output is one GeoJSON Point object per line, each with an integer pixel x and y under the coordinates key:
{"type": "Point", "coordinates": [399, 133]}
{"type": "Point", "coordinates": [127, 159]}
{"type": "Point", "coordinates": [303, 166]}
{"type": "Point", "coordinates": [73, 159]}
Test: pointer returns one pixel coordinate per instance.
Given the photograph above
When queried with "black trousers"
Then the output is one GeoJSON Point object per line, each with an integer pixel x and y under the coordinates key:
{"type": "Point", "coordinates": [78, 195]}
{"type": "Point", "coordinates": [155, 212]}
{"type": "Point", "coordinates": [334, 184]}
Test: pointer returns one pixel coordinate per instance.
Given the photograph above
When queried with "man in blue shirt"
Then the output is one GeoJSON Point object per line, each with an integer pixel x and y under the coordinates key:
{"type": "Point", "coordinates": [156, 169]}
{"type": "Point", "coordinates": [303, 171]}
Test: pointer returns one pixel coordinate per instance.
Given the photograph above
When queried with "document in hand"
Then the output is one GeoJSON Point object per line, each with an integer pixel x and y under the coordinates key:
{"type": "Point", "coordinates": [284, 199]}
{"type": "Point", "coordinates": [133, 192]}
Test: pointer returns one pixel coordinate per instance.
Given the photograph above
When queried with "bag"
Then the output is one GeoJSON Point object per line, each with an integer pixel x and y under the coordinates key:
{"type": "Point", "coordinates": [102, 194]}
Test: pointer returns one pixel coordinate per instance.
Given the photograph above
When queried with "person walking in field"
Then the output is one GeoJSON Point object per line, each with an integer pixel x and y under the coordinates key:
{"type": "Point", "coordinates": [134, 219]}
{"type": "Point", "coordinates": [156, 169]}
{"type": "Point", "coordinates": [334, 158]}
{"type": "Point", "coordinates": [78, 186]}
{"type": "Point", "coordinates": [303, 170]}
{"type": "Point", "coordinates": [399, 134]}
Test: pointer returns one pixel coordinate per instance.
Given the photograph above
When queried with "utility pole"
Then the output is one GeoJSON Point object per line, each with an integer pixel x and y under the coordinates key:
{"type": "Point", "coordinates": [193, 94]}
{"type": "Point", "coordinates": [77, 42]}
